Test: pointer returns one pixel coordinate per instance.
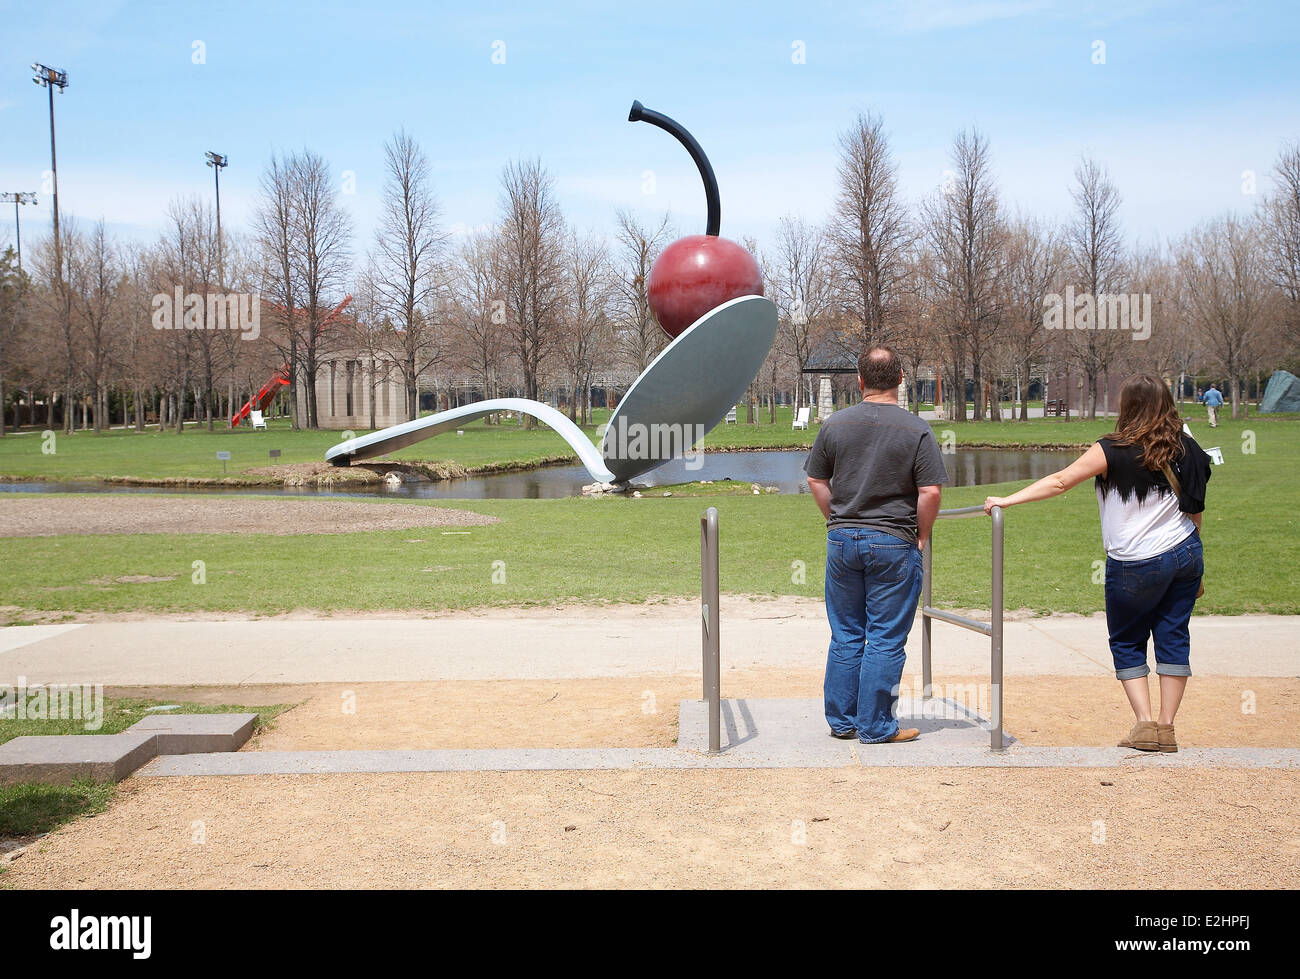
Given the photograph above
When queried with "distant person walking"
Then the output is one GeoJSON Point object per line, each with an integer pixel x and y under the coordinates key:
{"type": "Point", "coordinates": [1213, 399]}
{"type": "Point", "coordinates": [1150, 481]}
{"type": "Point", "coordinates": [876, 473]}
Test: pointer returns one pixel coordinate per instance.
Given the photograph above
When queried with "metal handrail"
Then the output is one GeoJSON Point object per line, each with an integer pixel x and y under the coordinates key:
{"type": "Point", "coordinates": [709, 622]}
{"type": "Point", "coordinates": [991, 629]}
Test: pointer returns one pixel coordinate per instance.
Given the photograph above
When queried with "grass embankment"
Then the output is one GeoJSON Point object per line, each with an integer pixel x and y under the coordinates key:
{"type": "Point", "coordinates": [160, 457]}
{"type": "Point", "coordinates": [617, 549]}
{"type": "Point", "coordinates": [121, 712]}
{"type": "Point", "coordinates": [34, 808]}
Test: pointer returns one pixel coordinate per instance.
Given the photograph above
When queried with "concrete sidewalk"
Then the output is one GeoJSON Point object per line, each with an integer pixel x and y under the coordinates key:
{"type": "Point", "coordinates": [576, 643]}
{"type": "Point", "coordinates": [757, 733]}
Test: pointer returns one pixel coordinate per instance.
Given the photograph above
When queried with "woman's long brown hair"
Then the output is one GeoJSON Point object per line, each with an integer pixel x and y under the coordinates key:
{"type": "Point", "coordinates": [1148, 418]}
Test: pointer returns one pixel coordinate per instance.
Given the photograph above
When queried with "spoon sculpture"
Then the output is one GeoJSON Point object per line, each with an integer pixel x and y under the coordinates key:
{"type": "Point", "coordinates": [706, 292]}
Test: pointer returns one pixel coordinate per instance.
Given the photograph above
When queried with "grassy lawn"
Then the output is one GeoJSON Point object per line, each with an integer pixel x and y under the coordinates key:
{"type": "Point", "coordinates": [33, 808]}
{"type": "Point", "coordinates": [617, 549]}
{"type": "Point", "coordinates": [121, 712]}
{"type": "Point", "coordinates": [165, 455]}
{"type": "Point", "coordinates": [156, 455]}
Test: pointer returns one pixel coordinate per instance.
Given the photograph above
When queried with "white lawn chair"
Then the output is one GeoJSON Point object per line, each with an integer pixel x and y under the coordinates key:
{"type": "Point", "coordinates": [801, 421]}
{"type": "Point", "coordinates": [258, 421]}
{"type": "Point", "coordinates": [731, 416]}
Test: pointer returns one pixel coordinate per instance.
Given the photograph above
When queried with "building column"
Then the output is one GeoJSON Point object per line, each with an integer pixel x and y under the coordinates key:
{"type": "Point", "coordinates": [825, 398]}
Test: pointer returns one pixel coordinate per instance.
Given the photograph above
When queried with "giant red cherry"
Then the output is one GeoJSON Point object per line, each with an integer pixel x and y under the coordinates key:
{"type": "Point", "coordinates": [699, 272]}
{"type": "Point", "coordinates": [696, 274]}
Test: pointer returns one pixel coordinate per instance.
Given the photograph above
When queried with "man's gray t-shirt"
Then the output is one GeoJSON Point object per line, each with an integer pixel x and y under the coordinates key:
{"type": "Point", "coordinates": [875, 456]}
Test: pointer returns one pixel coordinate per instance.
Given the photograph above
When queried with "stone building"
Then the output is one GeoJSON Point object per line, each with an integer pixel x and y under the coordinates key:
{"type": "Point", "coordinates": [346, 381]}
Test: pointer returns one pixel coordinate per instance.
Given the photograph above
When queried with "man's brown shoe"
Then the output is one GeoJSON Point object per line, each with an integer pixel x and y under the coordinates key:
{"type": "Point", "coordinates": [904, 734]}
{"type": "Point", "coordinates": [1143, 737]}
{"type": "Point", "coordinates": [1165, 736]}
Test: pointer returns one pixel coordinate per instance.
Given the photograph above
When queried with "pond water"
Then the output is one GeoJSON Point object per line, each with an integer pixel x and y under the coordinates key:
{"type": "Point", "coordinates": [782, 469]}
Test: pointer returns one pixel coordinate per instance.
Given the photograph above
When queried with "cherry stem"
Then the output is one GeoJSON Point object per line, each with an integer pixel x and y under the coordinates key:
{"type": "Point", "coordinates": [640, 113]}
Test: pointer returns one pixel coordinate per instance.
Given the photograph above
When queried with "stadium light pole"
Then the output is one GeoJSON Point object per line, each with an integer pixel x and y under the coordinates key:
{"type": "Point", "coordinates": [218, 162]}
{"type": "Point", "coordinates": [16, 198]}
{"type": "Point", "coordinates": [50, 79]}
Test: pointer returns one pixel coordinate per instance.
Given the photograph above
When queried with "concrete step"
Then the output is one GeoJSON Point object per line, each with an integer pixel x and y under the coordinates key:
{"type": "Point", "coordinates": [64, 758]}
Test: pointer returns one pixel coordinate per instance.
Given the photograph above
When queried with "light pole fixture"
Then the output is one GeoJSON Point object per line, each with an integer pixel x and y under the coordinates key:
{"type": "Point", "coordinates": [16, 198]}
{"type": "Point", "coordinates": [218, 162]}
{"type": "Point", "coordinates": [50, 79]}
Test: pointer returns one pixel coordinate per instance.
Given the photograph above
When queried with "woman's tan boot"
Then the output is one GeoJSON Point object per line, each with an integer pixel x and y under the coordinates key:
{"type": "Point", "coordinates": [1165, 737]}
{"type": "Point", "coordinates": [1143, 737]}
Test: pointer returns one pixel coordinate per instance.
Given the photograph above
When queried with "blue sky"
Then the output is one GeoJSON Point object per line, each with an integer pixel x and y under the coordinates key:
{"type": "Point", "coordinates": [1190, 96]}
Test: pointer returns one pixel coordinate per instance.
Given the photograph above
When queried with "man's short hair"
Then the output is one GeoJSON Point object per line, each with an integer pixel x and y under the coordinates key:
{"type": "Point", "coordinates": [879, 368]}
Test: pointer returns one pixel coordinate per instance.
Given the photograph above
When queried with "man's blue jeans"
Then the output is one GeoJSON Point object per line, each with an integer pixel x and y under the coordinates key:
{"type": "Point", "coordinates": [873, 580]}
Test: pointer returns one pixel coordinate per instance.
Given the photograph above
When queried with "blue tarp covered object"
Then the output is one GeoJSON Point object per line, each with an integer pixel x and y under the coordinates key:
{"type": "Point", "coordinates": [1282, 393]}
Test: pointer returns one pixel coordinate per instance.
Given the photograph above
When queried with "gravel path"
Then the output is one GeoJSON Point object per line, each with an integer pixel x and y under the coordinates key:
{"type": "Point", "coordinates": [886, 828]}
{"type": "Point", "coordinates": [118, 513]}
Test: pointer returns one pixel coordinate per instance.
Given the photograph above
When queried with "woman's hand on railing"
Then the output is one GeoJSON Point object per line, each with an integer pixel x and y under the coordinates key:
{"type": "Point", "coordinates": [991, 501]}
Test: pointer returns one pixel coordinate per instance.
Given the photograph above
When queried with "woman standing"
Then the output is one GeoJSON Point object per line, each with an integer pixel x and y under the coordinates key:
{"type": "Point", "coordinates": [1150, 480]}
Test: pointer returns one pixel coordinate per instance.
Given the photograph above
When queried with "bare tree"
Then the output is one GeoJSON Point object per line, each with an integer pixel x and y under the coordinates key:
{"type": "Point", "coordinates": [322, 232]}
{"type": "Point", "coordinates": [370, 331]}
{"type": "Point", "coordinates": [479, 309]}
{"type": "Point", "coordinates": [97, 289]}
{"type": "Point", "coordinates": [1096, 247]}
{"type": "Point", "coordinates": [13, 325]}
{"type": "Point", "coordinates": [803, 288]}
{"type": "Point", "coordinates": [275, 222]}
{"type": "Point", "coordinates": [1280, 226]}
{"type": "Point", "coordinates": [1225, 272]}
{"type": "Point", "coordinates": [920, 335]}
{"type": "Point", "coordinates": [584, 335]}
{"type": "Point", "coordinates": [1033, 261]}
{"type": "Point", "coordinates": [532, 232]}
{"type": "Point", "coordinates": [175, 274]}
{"type": "Point", "coordinates": [637, 331]}
{"type": "Point", "coordinates": [964, 231]}
{"type": "Point", "coordinates": [868, 232]}
{"type": "Point", "coordinates": [405, 260]}
{"type": "Point", "coordinates": [53, 260]}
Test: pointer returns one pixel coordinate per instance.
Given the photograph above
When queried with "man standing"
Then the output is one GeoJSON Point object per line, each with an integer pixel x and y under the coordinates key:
{"type": "Point", "coordinates": [876, 473]}
{"type": "Point", "coordinates": [1213, 400]}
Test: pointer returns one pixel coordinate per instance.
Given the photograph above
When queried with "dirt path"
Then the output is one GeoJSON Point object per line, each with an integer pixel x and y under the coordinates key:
{"type": "Point", "coordinates": [829, 828]}
{"type": "Point", "coordinates": [851, 827]}
{"type": "Point", "coordinates": [630, 712]}
{"type": "Point", "coordinates": [120, 513]}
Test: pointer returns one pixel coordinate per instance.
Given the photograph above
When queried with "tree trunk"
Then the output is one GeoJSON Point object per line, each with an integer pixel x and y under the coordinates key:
{"type": "Point", "coordinates": [179, 415]}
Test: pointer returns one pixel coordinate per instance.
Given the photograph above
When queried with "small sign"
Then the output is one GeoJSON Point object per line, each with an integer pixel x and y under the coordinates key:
{"type": "Point", "coordinates": [275, 453]}
{"type": "Point", "coordinates": [223, 456]}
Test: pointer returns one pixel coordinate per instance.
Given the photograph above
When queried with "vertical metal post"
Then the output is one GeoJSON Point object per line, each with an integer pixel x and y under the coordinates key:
{"type": "Point", "coordinates": [54, 181]}
{"type": "Point", "coordinates": [995, 704]}
{"type": "Point", "coordinates": [221, 256]}
{"type": "Point", "coordinates": [709, 622]}
{"type": "Point", "coordinates": [927, 559]}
